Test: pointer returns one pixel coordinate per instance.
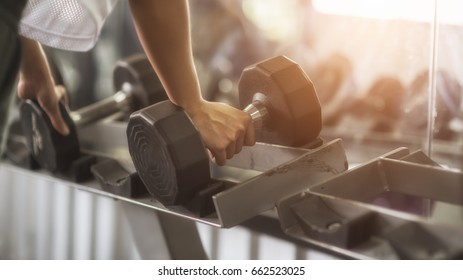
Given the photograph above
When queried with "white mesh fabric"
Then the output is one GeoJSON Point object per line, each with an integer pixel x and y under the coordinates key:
{"type": "Point", "coordinates": [65, 24]}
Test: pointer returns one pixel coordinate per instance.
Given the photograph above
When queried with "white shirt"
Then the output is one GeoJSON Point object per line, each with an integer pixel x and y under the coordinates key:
{"type": "Point", "coordinates": [65, 24]}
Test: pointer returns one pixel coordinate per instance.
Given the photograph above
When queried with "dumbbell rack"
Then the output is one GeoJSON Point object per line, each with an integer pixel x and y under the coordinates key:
{"type": "Point", "coordinates": [344, 221]}
{"type": "Point", "coordinates": [397, 206]}
{"type": "Point", "coordinates": [261, 174]}
{"type": "Point", "coordinates": [268, 174]}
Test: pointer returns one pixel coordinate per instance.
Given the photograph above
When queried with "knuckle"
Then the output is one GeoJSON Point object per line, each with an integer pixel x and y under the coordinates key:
{"type": "Point", "coordinates": [230, 137]}
{"type": "Point", "coordinates": [240, 128]}
{"type": "Point", "coordinates": [217, 147]}
{"type": "Point", "coordinates": [23, 94]}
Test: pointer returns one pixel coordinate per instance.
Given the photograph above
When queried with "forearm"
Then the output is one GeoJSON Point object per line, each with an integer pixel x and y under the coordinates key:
{"type": "Point", "coordinates": [164, 31]}
{"type": "Point", "coordinates": [34, 66]}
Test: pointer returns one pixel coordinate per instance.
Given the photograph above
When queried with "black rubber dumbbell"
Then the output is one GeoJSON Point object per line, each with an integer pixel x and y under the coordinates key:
{"type": "Point", "coordinates": [136, 85]}
{"type": "Point", "coordinates": [169, 154]}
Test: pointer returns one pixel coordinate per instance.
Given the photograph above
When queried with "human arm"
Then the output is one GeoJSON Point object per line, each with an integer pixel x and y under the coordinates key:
{"type": "Point", "coordinates": [36, 82]}
{"type": "Point", "coordinates": [164, 31]}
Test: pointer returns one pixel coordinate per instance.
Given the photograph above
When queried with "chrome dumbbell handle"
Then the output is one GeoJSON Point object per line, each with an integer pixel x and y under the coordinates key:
{"type": "Point", "coordinates": [258, 112]}
{"type": "Point", "coordinates": [103, 108]}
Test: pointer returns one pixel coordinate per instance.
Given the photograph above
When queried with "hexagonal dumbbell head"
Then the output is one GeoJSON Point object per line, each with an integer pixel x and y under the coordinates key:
{"type": "Point", "coordinates": [289, 97]}
{"type": "Point", "coordinates": [136, 73]}
{"type": "Point", "coordinates": [168, 153]}
{"type": "Point", "coordinates": [50, 149]}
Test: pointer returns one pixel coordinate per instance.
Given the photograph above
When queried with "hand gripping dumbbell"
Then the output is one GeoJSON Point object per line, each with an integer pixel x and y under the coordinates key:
{"type": "Point", "coordinates": [136, 85]}
{"type": "Point", "coordinates": [169, 154]}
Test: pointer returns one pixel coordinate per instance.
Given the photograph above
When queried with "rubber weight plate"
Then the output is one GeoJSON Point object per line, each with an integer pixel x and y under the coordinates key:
{"type": "Point", "coordinates": [137, 71]}
{"type": "Point", "coordinates": [50, 149]}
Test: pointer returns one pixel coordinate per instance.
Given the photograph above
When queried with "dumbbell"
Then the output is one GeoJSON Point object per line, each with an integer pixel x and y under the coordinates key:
{"type": "Point", "coordinates": [447, 102]}
{"type": "Point", "coordinates": [335, 86]}
{"type": "Point", "coordinates": [383, 102]}
{"type": "Point", "coordinates": [136, 86]}
{"type": "Point", "coordinates": [167, 150]}
{"type": "Point", "coordinates": [331, 75]}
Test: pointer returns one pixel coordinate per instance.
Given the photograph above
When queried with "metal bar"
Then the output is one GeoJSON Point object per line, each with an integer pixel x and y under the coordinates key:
{"type": "Point", "coordinates": [101, 109]}
{"type": "Point", "coordinates": [262, 192]}
{"type": "Point", "coordinates": [361, 182]}
{"type": "Point", "coordinates": [182, 238]}
{"type": "Point", "coordinates": [424, 181]}
{"type": "Point", "coordinates": [262, 156]}
{"type": "Point", "coordinates": [432, 93]}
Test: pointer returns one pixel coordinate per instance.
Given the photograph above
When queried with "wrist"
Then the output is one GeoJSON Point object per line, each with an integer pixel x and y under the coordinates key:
{"type": "Point", "coordinates": [199, 111]}
{"type": "Point", "coordinates": [33, 86]}
{"type": "Point", "coordinates": [193, 105]}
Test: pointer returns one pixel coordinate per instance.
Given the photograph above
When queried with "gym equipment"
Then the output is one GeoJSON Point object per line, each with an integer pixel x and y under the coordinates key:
{"type": "Point", "coordinates": [351, 211]}
{"type": "Point", "coordinates": [136, 86]}
{"type": "Point", "coordinates": [415, 109]}
{"type": "Point", "coordinates": [383, 101]}
{"type": "Point", "coordinates": [379, 109]}
{"type": "Point", "coordinates": [331, 75]}
{"type": "Point", "coordinates": [169, 154]}
{"type": "Point", "coordinates": [334, 81]}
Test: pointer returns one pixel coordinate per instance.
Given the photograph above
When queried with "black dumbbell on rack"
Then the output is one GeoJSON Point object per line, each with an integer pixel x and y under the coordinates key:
{"type": "Point", "coordinates": [169, 154]}
{"type": "Point", "coordinates": [136, 85]}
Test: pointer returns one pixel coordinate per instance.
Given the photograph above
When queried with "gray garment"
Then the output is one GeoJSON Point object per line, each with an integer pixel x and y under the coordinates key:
{"type": "Point", "coordinates": [9, 64]}
{"type": "Point", "coordinates": [10, 54]}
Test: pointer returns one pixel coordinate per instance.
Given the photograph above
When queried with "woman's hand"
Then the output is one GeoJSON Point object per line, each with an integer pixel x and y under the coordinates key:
{"type": "Point", "coordinates": [36, 82]}
{"type": "Point", "coordinates": [223, 129]}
